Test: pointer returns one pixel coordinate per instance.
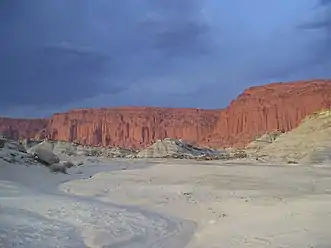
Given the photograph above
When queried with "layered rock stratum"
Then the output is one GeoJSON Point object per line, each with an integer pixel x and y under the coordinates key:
{"type": "Point", "coordinates": [258, 110]}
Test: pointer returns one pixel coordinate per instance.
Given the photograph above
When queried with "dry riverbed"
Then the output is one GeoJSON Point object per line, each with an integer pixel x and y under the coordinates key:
{"type": "Point", "coordinates": [168, 204]}
{"type": "Point", "coordinates": [233, 205]}
{"type": "Point", "coordinates": [35, 214]}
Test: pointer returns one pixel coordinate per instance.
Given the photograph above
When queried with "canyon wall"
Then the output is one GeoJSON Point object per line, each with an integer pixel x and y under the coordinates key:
{"type": "Point", "coordinates": [133, 127]}
{"type": "Point", "coordinates": [261, 109]}
{"type": "Point", "coordinates": [21, 128]}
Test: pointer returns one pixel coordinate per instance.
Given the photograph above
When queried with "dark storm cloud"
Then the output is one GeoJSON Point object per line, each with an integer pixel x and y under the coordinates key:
{"type": "Point", "coordinates": [321, 23]}
{"type": "Point", "coordinates": [322, 19]}
{"type": "Point", "coordinates": [182, 39]}
{"type": "Point", "coordinates": [79, 49]}
{"type": "Point", "coordinates": [324, 2]}
{"type": "Point", "coordinates": [42, 61]}
{"type": "Point", "coordinates": [177, 39]}
{"type": "Point", "coordinates": [176, 28]}
{"type": "Point", "coordinates": [185, 53]}
{"type": "Point", "coordinates": [51, 75]}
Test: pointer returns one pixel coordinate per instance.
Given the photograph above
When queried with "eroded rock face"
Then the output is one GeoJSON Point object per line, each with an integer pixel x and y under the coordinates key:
{"type": "Point", "coordinates": [258, 110]}
{"type": "Point", "coordinates": [268, 108]}
{"type": "Point", "coordinates": [131, 127]}
{"type": "Point", "coordinates": [21, 128]}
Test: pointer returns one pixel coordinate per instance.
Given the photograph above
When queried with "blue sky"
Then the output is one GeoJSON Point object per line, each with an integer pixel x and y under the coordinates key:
{"type": "Point", "coordinates": [58, 55]}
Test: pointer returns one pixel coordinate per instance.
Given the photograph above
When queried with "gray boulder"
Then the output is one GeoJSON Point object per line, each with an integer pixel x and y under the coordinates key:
{"type": "Point", "coordinates": [45, 145]}
{"type": "Point", "coordinates": [58, 167]}
{"type": "Point", "coordinates": [68, 164]}
{"type": "Point", "coordinates": [44, 153]}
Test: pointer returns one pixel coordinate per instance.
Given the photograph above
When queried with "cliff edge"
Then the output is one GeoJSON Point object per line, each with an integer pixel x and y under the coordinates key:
{"type": "Point", "coordinates": [268, 108]}
{"type": "Point", "coordinates": [258, 110]}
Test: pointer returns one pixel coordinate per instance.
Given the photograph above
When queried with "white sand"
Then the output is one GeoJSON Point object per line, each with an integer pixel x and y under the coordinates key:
{"type": "Point", "coordinates": [234, 206]}
{"type": "Point", "coordinates": [204, 204]}
{"type": "Point", "coordinates": [33, 214]}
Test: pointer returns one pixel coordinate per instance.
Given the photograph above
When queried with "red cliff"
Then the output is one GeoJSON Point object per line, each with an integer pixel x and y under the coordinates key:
{"type": "Point", "coordinates": [262, 109]}
{"type": "Point", "coordinates": [131, 127]}
{"type": "Point", "coordinates": [278, 106]}
{"type": "Point", "coordinates": [21, 128]}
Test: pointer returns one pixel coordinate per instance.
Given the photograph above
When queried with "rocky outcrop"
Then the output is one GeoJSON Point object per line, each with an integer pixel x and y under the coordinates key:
{"type": "Point", "coordinates": [258, 110]}
{"type": "Point", "coordinates": [114, 152]}
{"type": "Point", "coordinates": [134, 127]}
{"type": "Point", "coordinates": [264, 109]}
{"type": "Point", "coordinates": [13, 152]}
{"type": "Point", "coordinates": [173, 148]}
{"type": "Point", "coordinates": [65, 148]}
{"type": "Point", "coordinates": [21, 128]}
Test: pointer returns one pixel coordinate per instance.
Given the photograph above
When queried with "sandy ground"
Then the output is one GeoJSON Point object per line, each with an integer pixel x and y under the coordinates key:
{"type": "Point", "coordinates": [233, 205]}
{"type": "Point", "coordinates": [34, 214]}
{"type": "Point", "coordinates": [169, 204]}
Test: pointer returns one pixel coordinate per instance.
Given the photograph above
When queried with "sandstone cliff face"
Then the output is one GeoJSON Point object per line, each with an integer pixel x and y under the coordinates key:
{"type": "Point", "coordinates": [21, 128]}
{"type": "Point", "coordinates": [131, 127]}
{"type": "Point", "coordinates": [268, 108]}
{"type": "Point", "coordinates": [258, 110]}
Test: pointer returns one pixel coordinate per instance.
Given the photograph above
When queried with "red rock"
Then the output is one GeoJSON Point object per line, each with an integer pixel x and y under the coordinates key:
{"type": "Point", "coordinates": [278, 106]}
{"type": "Point", "coordinates": [21, 128]}
{"type": "Point", "coordinates": [263, 109]}
{"type": "Point", "coordinates": [131, 127]}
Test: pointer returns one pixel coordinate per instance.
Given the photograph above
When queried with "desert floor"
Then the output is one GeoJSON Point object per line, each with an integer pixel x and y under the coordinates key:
{"type": "Point", "coordinates": [169, 204]}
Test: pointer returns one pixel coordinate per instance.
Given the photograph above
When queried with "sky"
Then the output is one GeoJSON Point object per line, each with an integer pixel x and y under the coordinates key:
{"type": "Point", "coordinates": [56, 55]}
